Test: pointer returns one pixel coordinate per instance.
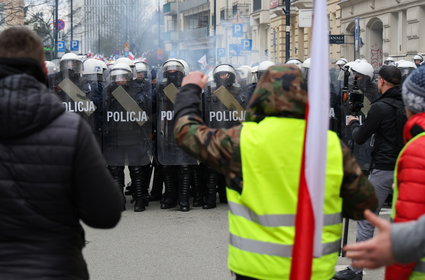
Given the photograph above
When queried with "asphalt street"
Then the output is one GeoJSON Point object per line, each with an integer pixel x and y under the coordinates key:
{"type": "Point", "coordinates": [169, 244]}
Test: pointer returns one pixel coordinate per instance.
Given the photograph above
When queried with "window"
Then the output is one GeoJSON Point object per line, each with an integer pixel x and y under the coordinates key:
{"type": "Point", "coordinates": [257, 5]}
{"type": "Point", "coordinates": [234, 10]}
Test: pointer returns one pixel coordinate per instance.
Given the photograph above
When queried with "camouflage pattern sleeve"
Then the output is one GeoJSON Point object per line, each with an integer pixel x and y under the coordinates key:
{"type": "Point", "coordinates": [357, 192]}
{"type": "Point", "coordinates": [218, 148]}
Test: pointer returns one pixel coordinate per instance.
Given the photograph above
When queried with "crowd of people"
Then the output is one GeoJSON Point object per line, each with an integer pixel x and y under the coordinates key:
{"type": "Point", "coordinates": [189, 134]}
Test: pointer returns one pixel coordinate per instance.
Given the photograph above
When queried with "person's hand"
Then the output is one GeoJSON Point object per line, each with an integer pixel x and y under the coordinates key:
{"type": "Point", "coordinates": [351, 118]}
{"type": "Point", "coordinates": [375, 252]}
{"type": "Point", "coordinates": [196, 78]}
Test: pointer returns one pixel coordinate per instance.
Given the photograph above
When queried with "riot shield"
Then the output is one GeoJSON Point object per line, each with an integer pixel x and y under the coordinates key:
{"type": "Point", "coordinates": [127, 125]}
{"type": "Point", "coordinates": [224, 107]}
{"type": "Point", "coordinates": [168, 151]}
{"type": "Point", "coordinates": [78, 97]}
{"type": "Point", "coordinates": [94, 91]}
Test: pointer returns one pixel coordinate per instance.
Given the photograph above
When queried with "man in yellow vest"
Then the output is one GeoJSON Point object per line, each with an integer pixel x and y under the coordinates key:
{"type": "Point", "coordinates": [262, 160]}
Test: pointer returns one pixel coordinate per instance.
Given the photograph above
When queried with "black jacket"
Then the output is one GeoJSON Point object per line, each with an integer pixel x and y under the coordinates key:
{"type": "Point", "coordinates": [52, 175]}
{"type": "Point", "coordinates": [381, 121]}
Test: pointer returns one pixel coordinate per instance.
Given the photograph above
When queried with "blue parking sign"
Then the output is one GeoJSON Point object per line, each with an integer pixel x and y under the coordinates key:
{"type": "Point", "coordinates": [237, 30]}
{"type": "Point", "coordinates": [221, 52]}
{"type": "Point", "coordinates": [61, 46]}
{"type": "Point", "coordinates": [234, 49]}
{"type": "Point", "coordinates": [75, 46]}
{"type": "Point", "coordinates": [246, 44]}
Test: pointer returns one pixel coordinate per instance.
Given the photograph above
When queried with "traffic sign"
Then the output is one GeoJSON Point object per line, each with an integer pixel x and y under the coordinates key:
{"type": "Point", "coordinates": [75, 46]}
{"type": "Point", "coordinates": [237, 30]}
{"type": "Point", "coordinates": [221, 52]}
{"type": "Point", "coordinates": [234, 49]}
{"type": "Point", "coordinates": [61, 46]}
{"type": "Point", "coordinates": [246, 44]}
{"type": "Point", "coordinates": [60, 25]}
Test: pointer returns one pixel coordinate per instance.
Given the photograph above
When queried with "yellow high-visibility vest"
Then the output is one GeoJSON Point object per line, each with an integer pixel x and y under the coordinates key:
{"type": "Point", "coordinates": [262, 218]}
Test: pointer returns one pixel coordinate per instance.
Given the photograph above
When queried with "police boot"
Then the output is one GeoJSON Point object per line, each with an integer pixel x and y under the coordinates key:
{"type": "Point", "coordinates": [156, 192]}
{"type": "Point", "coordinates": [222, 189]}
{"type": "Point", "coordinates": [147, 173]}
{"type": "Point", "coordinates": [136, 174]}
{"type": "Point", "coordinates": [117, 173]}
{"type": "Point", "coordinates": [170, 196]}
{"type": "Point", "coordinates": [184, 184]}
{"type": "Point", "coordinates": [129, 189]}
{"type": "Point", "coordinates": [211, 195]}
{"type": "Point", "coordinates": [196, 185]}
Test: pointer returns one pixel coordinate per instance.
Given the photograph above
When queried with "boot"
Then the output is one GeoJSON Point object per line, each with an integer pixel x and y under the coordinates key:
{"type": "Point", "coordinates": [196, 185]}
{"type": "Point", "coordinates": [184, 184]}
{"type": "Point", "coordinates": [156, 192]}
{"type": "Point", "coordinates": [129, 189]}
{"type": "Point", "coordinates": [211, 195]}
{"type": "Point", "coordinates": [147, 173]}
{"type": "Point", "coordinates": [137, 178]}
{"type": "Point", "coordinates": [170, 197]}
{"type": "Point", "coordinates": [222, 195]}
{"type": "Point", "coordinates": [117, 173]}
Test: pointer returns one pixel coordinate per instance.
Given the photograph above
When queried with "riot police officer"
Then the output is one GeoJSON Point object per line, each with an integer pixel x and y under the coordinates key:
{"type": "Point", "coordinates": [176, 163]}
{"type": "Point", "coordinates": [127, 131]}
{"type": "Point", "coordinates": [418, 60]}
{"type": "Point", "coordinates": [406, 67]}
{"type": "Point", "coordinates": [225, 104]}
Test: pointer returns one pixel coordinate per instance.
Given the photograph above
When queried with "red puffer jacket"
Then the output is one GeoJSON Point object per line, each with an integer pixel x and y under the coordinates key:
{"type": "Point", "coordinates": [410, 201]}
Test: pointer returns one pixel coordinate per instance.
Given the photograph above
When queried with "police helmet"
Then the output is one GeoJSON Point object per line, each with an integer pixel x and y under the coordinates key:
{"type": "Point", "coordinates": [389, 61]}
{"type": "Point", "coordinates": [341, 62]}
{"type": "Point", "coordinates": [121, 72]}
{"type": "Point", "coordinates": [295, 61]}
{"type": "Point", "coordinates": [51, 67]}
{"type": "Point", "coordinates": [262, 68]}
{"type": "Point", "coordinates": [70, 61]}
{"type": "Point", "coordinates": [225, 75]}
{"type": "Point", "coordinates": [363, 68]}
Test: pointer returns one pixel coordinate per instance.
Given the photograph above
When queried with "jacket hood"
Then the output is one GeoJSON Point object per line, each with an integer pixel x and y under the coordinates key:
{"type": "Point", "coordinates": [414, 126]}
{"type": "Point", "coordinates": [26, 106]}
{"type": "Point", "coordinates": [281, 92]}
{"type": "Point", "coordinates": [394, 93]}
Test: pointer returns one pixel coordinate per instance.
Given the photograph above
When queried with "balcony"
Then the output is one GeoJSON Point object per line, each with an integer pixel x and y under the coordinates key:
{"type": "Point", "coordinates": [169, 8]}
{"type": "Point", "coordinates": [190, 4]}
{"type": "Point", "coordinates": [276, 7]}
{"type": "Point", "coordinates": [302, 4]}
{"type": "Point", "coordinates": [195, 34]}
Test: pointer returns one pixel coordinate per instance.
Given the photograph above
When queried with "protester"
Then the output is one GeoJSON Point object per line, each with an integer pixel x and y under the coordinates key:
{"type": "Point", "coordinates": [52, 174]}
{"type": "Point", "coordinates": [262, 161]}
{"type": "Point", "coordinates": [381, 122]}
{"type": "Point", "coordinates": [409, 185]}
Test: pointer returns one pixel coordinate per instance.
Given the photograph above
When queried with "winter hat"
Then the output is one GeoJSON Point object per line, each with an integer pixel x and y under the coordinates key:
{"type": "Point", "coordinates": [414, 91]}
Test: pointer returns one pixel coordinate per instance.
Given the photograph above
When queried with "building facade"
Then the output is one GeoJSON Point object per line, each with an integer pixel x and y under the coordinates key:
{"type": "Point", "coordinates": [387, 28]}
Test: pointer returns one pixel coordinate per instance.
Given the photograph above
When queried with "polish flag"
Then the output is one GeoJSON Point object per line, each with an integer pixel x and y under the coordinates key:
{"type": "Point", "coordinates": [309, 220]}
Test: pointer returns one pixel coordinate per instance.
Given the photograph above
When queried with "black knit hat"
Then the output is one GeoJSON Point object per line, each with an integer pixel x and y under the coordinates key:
{"type": "Point", "coordinates": [390, 74]}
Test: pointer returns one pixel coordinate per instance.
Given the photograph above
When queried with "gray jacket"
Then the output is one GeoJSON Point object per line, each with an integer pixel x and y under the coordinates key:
{"type": "Point", "coordinates": [408, 240]}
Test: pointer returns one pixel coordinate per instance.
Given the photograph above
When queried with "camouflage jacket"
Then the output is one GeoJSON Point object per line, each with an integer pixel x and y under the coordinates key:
{"type": "Point", "coordinates": [281, 92]}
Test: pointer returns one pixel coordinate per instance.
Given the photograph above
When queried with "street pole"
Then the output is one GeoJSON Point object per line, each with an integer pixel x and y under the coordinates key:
{"type": "Point", "coordinates": [215, 30]}
{"type": "Point", "coordinates": [72, 22]}
{"type": "Point", "coordinates": [159, 25]}
{"type": "Point", "coordinates": [288, 28]}
{"type": "Point", "coordinates": [55, 26]}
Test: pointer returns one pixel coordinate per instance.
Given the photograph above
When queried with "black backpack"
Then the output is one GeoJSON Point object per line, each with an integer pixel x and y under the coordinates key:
{"type": "Point", "coordinates": [400, 118]}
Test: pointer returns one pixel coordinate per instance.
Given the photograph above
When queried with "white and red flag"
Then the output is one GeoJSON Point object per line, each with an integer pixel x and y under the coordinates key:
{"type": "Point", "coordinates": [309, 218]}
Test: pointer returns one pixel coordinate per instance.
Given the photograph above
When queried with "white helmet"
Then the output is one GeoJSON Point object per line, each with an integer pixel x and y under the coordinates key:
{"type": "Point", "coordinates": [51, 67]}
{"type": "Point", "coordinates": [306, 63]}
{"type": "Point", "coordinates": [418, 57]}
{"type": "Point", "coordinates": [295, 61]}
{"type": "Point", "coordinates": [92, 67]}
{"type": "Point", "coordinates": [121, 72]}
{"type": "Point", "coordinates": [245, 74]}
{"type": "Point", "coordinates": [389, 61]}
{"type": "Point", "coordinates": [221, 69]}
{"type": "Point", "coordinates": [102, 64]}
{"type": "Point", "coordinates": [70, 61]}
{"type": "Point", "coordinates": [363, 68]}
{"type": "Point", "coordinates": [141, 67]}
{"type": "Point", "coordinates": [406, 64]}
{"type": "Point", "coordinates": [342, 61]}
{"type": "Point", "coordinates": [186, 66]}
{"type": "Point", "coordinates": [125, 60]}
{"type": "Point", "coordinates": [262, 68]}
{"type": "Point", "coordinates": [173, 64]}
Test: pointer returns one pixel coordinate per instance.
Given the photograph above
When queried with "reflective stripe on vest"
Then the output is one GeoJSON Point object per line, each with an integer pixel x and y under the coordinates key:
{"type": "Point", "coordinates": [273, 249]}
{"type": "Point", "coordinates": [274, 220]}
{"type": "Point", "coordinates": [262, 217]}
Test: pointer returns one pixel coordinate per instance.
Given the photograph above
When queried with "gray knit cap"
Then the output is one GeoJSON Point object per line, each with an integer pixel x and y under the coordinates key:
{"type": "Point", "coordinates": [414, 91]}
